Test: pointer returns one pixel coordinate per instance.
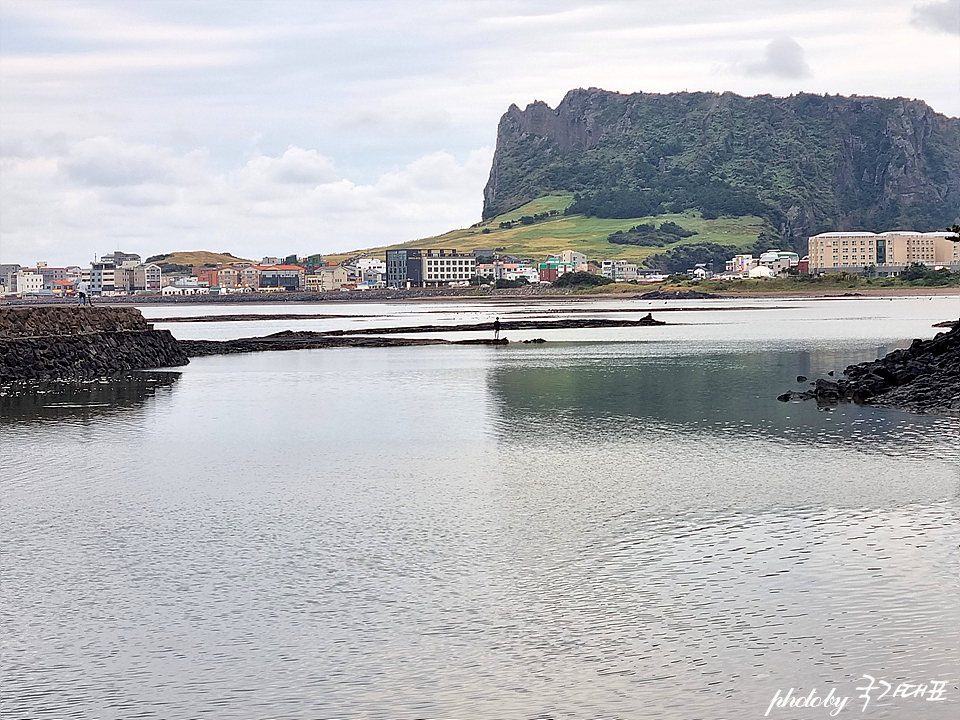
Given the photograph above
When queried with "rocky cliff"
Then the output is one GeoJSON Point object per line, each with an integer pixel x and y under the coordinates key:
{"type": "Point", "coordinates": [807, 163]}
{"type": "Point", "coordinates": [52, 343]}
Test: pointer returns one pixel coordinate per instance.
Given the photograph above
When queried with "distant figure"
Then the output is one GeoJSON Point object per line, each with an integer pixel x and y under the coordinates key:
{"type": "Point", "coordinates": [496, 329]}
{"type": "Point", "coordinates": [83, 292]}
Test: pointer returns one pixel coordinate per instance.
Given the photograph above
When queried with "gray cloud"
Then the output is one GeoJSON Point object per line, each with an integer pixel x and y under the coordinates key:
{"type": "Point", "coordinates": [104, 162]}
{"type": "Point", "coordinates": [938, 16]}
{"type": "Point", "coordinates": [170, 122]}
{"type": "Point", "coordinates": [783, 57]}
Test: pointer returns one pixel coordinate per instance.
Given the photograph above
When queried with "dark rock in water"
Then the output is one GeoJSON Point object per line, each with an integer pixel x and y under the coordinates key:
{"type": "Point", "coordinates": [801, 378]}
{"type": "Point", "coordinates": [947, 324]}
{"type": "Point", "coordinates": [676, 295]}
{"type": "Point", "coordinates": [537, 341]}
{"type": "Point", "coordinates": [922, 378]}
{"type": "Point", "coordinates": [830, 373]}
{"type": "Point", "coordinates": [63, 342]}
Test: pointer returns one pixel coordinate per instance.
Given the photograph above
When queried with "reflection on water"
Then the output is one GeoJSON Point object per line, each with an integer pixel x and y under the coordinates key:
{"type": "Point", "coordinates": [81, 399]}
{"type": "Point", "coordinates": [582, 530]}
{"type": "Point", "coordinates": [610, 392]}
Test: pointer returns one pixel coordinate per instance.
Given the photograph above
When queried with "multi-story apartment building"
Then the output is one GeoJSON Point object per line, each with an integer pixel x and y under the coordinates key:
{"type": "Point", "coordinates": [228, 277]}
{"type": "Point", "coordinates": [118, 258]}
{"type": "Point", "coordinates": [778, 260]}
{"type": "Point", "coordinates": [423, 268]}
{"type": "Point", "coordinates": [250, 275]}
{"type": "Point", "coordinates": [286, 277]}
{"type": "Point", "coordinates": [404, 268]}
{"type": "Point", "coordinates": [325, 279]}
{"type": "Point", "coordinates": [147, 278]}
{"type": "Point", "coordinates": [741, 264]}
{"type": "Point", "coordinates": [101, 277]}
{"type": "Point", "coordinates": [888, 252]}
{"type": "Point", "coordinates": [29, 282]}
{"type": "Point", "coordinates": [442, 267]}
{"type": "Point", "coordinates": [619, 270]}
{"type": "Point", "coordinates": [8, 278]}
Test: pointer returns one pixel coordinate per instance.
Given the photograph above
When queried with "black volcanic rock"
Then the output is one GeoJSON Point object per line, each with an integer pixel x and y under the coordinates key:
{"type": "Point", "coordinates": [807, 163]}
{"type": "Point", "coordinates": [922, 378]}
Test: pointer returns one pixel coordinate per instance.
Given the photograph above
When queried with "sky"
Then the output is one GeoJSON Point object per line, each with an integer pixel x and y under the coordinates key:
{"type": "Point", "coordinates": [303, 126]}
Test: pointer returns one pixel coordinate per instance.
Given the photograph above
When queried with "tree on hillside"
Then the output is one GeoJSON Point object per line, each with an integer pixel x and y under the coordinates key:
{"type": "Point", "coordinates": [955, 229]}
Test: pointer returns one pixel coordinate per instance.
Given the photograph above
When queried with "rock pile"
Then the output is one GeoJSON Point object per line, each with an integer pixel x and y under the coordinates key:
{"type": "Point", "coordinates": [53, 343]}
{"type": "Point", "coordinates": [924, 378]}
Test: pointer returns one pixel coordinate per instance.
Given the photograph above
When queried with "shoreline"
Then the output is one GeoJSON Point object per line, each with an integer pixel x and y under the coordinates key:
{"type": "Point", "coordinates": [532, 295]}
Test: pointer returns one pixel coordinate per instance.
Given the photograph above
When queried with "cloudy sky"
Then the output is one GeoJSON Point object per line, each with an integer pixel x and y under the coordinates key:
{"type": "Point", "coordinates": [265, 128]}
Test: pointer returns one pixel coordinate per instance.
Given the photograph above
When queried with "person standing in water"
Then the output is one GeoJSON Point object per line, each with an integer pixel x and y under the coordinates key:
{"type": "Point", "coordinates": [496, 329]}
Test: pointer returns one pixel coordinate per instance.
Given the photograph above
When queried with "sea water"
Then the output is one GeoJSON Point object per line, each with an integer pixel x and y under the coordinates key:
{"type": "Point", "coordinates": [619, 523]}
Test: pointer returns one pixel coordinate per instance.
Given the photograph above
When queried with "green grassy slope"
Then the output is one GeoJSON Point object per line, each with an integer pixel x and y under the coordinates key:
{"type": "Point", "coordinates": [574, 232]}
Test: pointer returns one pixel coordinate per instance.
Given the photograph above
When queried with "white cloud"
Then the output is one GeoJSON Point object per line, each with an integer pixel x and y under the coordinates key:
{"type": "Point", "coordinates": [103, 193]}
{"type": "Point", "coordinates": [783, 57]}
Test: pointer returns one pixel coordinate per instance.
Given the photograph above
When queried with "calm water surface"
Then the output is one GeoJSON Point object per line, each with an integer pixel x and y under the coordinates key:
{"type": "Point", "coordinates": [621, 523]}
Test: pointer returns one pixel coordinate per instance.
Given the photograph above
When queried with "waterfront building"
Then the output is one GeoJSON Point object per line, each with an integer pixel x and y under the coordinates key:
{"type": "Point", "coordinates": [741, 265]}
{"type": "Point", "coordinates": [8, 278]}
{"type": "Point", "coordinates": [282, 277]}
{"type": "Point", "coordinates": [327, 278]}
{"type": "Point", "coordinates": [443, 267]}
{"type": "Point", "coordinates": [429, 267]}
{"type": "Point", "coordinates": [555, 266]}
{"type": "Point", "coordinates": [779, 260]}
{"type": "Point", "coordinates": [619, 270]}
{"type": "Point", "coordinates": [29, 282]}
{"type": "Point", "coordinates": [101, 277]}
{"type": "Point", "coordinates": [404, 268]}
{"type": "Point", "coordinates": [503, 270]}
{"type": "Point", "coordinates": [887, 253]}
{"type": "Point", "coordinates": [250, 275]}
{"type": "Point", "coordinates": [147, 278]}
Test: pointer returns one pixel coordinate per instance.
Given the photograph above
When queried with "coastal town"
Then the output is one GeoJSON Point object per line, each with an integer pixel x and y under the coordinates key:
{"type": "Point", "coordinates": [119, 273]}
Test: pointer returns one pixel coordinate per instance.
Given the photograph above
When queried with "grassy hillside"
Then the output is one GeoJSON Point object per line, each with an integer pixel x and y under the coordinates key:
{"type": "Point", "coordinates": [574, 232]}
{"type": "Point", "coordinates": [194, 257]}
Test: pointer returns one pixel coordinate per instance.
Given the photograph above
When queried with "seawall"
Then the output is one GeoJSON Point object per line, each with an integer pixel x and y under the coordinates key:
{"type": "Point", "coordinates": [61, 342]}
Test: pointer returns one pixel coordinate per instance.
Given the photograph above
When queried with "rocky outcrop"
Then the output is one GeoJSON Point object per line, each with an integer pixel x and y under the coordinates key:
{"type": "Point", "coordinates": [815, 162]}
{"type": "Point", "coordinates": [677, 295]}
{"type": "Point", "coordinates": [924, 377]}
{"type": "Point", "coordinates": [45, 321]}
{"type": "Point", "coordinates": [53, 343]}
{"type": "Point", "coordinates": [306, 340]}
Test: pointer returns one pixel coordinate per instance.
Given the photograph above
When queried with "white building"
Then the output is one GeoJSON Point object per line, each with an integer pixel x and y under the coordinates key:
{"type": "Point", "coordinates": [29, 283]}
{"type": "Point", "coordinates": [741, 265]}
{"type": "Point", "coordinates": [761, 271]}
{"type": "Point", "coordinates": [779, 260]}
{"type": "Point", "coordinates": [443, 267]}
{"type": "Point", "coordinates": [325, 279]}
{"type": "Point", "coordinates": [619, 270]}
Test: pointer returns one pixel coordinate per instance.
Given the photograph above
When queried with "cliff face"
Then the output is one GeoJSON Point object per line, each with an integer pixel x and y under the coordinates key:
{"type": "Point", "coordinates": [814, 163]}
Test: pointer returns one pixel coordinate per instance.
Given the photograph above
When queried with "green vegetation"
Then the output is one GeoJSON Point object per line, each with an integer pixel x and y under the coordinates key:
{"type": "Point", "coordinates": [804, 164]}
{"type": "Point", "coordinates": [588, 235]}
{"type": "Point", "coordinates": [581, 279]}
{"type": "Point", "coordinates": [649, 235]}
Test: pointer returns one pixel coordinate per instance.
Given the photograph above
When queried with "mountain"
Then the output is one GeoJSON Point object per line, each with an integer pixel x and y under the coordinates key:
{"type": "Point", "coordinates": [805, 163]}
{"type": "Point", "coordinates": [184, 260]}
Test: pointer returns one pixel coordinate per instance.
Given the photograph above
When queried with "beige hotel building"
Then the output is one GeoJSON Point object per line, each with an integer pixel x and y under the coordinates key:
{"type": "Point", "coordinates": [889, 252]}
